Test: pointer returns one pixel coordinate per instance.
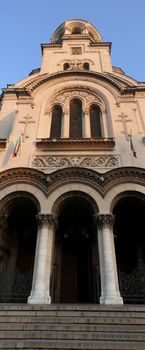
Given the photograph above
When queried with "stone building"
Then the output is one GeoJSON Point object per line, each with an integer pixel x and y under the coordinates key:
{"type": "Point", "coordinates": [72, 177]}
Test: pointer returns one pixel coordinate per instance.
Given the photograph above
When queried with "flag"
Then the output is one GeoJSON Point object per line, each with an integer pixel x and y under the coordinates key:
{"type": "Point", "coordinates": [132, 147]}
{"type": "Point", "coordinates": [17, 147]}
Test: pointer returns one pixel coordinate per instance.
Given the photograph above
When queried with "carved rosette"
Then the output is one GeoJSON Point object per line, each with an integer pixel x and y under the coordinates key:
{"type": "Point", "coordinates": [105, 219]}
{"type": "Point", "coordinates": [45, 219]}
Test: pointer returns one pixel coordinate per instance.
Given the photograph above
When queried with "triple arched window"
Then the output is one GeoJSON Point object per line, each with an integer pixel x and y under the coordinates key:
{"type": "Point", "coordinates": [77, 121]}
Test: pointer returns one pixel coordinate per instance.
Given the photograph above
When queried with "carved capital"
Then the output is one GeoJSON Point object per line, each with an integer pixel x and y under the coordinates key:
{"type": "Point", "coordinates": [105, 219]}
{"type": "Point", "coordinates": [44, 219]}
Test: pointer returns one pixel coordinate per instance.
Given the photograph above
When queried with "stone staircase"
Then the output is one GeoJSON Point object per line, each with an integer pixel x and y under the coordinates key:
{"type": "Point", "coordinates": [72, 327]}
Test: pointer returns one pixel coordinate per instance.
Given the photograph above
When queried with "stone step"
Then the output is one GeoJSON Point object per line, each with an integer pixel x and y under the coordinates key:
{"type": "Point", "coordinates": [49, 313]}
{"type": "Point", "coordinates": [72, 307]}
{"type": "Point", "coordinates": [71, 345]}
{"type": "Point", "coordinates": [23, 335]}
{"type": "Point", "coordinates": [71, 327]}
{"type": "Point", "coordinates": [73, 320]}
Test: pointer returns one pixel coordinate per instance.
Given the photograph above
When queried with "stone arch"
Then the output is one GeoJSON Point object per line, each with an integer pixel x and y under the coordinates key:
{"type": "Point", "coordinates": [117, 191]}
{"type": "Point", "coordinates": [63, 189]}
{"type": "Point", "coordinates": [32, 191]}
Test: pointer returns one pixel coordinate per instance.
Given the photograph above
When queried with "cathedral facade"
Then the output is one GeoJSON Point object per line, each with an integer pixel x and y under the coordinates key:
{"type": "Point", "coordinates": [72, 177]}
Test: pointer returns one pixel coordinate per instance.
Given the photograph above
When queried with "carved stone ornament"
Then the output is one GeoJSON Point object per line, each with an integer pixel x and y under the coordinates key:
{"type": "Point", "coordinates": [68, 94]}
{"type": "Point", "coordinates": [105, 219]}
{"type": "Point", "coordinates": [99, 161]}
{"type": "Point", "coordinates": [43, 219]}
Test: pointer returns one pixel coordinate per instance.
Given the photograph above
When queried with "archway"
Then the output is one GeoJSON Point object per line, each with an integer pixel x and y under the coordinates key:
{"type": "Point", "coordinates": [75, 277]}
{"type": "Point", "coordinates": [17, 247]}
{"type": "Point", "coordinates": [129, 233]}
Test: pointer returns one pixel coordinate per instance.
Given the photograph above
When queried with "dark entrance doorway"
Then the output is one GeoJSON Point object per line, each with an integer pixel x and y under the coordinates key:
{"type": "Point", "coordinates": [129, 232]}
{"type": "Point", "coordinates": [76, 257]}
{"type": "Point", "coordinates": [17, 250]}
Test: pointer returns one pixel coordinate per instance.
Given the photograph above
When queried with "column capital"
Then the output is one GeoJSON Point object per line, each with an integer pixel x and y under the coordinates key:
{"type": "Point", "coordinates": [105, 219]}
{"type": "Point", "coordinates": [46, 219]}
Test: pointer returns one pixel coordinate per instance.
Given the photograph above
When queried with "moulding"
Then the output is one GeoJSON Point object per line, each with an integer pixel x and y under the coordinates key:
{"type": "Point", "coordinates": [71, 145]}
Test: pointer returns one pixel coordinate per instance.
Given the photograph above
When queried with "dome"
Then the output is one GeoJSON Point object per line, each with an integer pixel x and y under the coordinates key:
{"type": "Point", "coordinates": [76, 27]}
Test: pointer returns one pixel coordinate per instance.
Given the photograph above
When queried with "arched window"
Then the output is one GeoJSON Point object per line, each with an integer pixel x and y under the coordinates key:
{"type": "Point", "coordinates": [76, 30]}
{"type": "Point", "coordinates": [56, 122]}
{"type": "Point", "coordinates": [66, 66]}
{"type": "Point", "coordinates": [76, 118]}
{"type": "Point", "coordinates": [95, 121]}
{"type": "Point", "coordinates": [86, 66]}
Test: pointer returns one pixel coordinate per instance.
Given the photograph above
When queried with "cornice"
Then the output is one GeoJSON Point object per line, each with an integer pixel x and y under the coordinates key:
{"type": "Point", "coordinates": [72, 145]}
{"type": "Point", "coordinates": [120, 84]}
{"type": "Point", "coordinates": [102, 183]}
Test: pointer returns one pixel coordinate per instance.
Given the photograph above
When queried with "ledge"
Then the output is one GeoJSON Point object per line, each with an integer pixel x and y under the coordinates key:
{"type": "Point", "coordinates": [75, 145]}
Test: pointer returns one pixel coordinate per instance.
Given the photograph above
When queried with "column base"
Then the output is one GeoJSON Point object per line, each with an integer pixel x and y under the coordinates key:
{"type": "Point", "coordinates": [111, 301]}
{"type": "Point", "coordinates": [38, 299]}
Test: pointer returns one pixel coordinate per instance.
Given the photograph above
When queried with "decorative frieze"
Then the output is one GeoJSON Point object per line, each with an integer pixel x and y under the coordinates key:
{"type": "Point", "coordinates": [99, 161]}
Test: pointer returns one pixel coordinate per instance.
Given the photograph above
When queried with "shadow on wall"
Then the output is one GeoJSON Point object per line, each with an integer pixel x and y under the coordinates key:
{"type": "Point", "coordinates": [6, 126]}
{"type": "Point", "coordinates": [8, 154]}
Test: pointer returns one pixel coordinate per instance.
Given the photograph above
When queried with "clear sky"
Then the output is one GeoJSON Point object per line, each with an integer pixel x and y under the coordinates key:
{"type": "Point", "coordinates": [25, 24]}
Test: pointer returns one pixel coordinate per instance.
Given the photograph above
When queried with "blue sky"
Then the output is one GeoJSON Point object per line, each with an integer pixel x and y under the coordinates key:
{"type": "Point", "coordinates": [26, 24]}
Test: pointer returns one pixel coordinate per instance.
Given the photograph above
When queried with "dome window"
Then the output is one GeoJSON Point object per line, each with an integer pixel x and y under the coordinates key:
{"type": "Point", "coordinates": [66, 66]}
{"type": "Point", "coordinates": [86, 66]}
{"type": "Point", "coordinates": [76, 30]}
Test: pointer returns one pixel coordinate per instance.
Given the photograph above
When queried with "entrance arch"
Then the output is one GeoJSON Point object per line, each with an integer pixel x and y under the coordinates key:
{"type": "Point", "coordinates": [129, 233]}
{"type": "Point", "coordinates": [18, 231]}
{"type": "Point", "coordinates": [76, 264]}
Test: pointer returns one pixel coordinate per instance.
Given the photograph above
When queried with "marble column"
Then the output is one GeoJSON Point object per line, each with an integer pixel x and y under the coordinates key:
{"type": "Point", "coordinates": [40, 293]}
{"type": "Point", "coordinates": [110, 293]}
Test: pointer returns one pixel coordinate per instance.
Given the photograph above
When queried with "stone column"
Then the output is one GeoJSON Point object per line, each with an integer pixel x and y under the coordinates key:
{"type": "Point", "coordinates": [49, 121]}
{"type": "Point", "coordinates": [110, 293]}
{"type": "Point", "coordinates": [40, 293]}
{"type": "Point", "coordinates": [66, 122]}
{"type": "Point", "coordinates": [87, 126]}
